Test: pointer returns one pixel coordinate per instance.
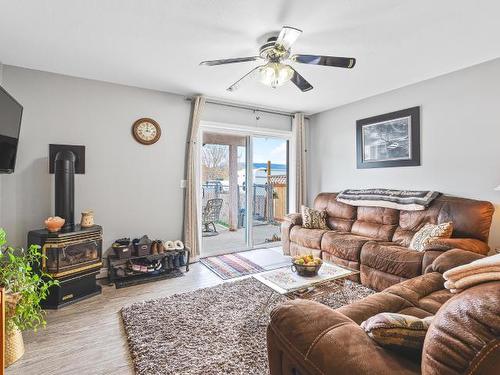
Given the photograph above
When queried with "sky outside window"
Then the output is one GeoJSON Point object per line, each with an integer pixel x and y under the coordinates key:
{"type": "Point", "coordinates": [273, 149]}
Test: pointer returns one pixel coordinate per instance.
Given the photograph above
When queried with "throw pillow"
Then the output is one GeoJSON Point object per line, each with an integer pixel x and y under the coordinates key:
{"type": "Point", "coordinates": [430, 232]}
{"type": "Point", "coordinates": [397, 330]}
{"type": "Point", "coordinates": [313, 219]}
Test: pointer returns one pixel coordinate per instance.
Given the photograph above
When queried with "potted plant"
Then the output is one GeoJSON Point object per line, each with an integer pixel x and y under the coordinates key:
{"type": "Point", "coordinates": [25, 288]}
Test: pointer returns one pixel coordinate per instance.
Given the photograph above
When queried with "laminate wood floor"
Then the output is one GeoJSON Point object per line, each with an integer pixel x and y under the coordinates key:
{"type": "Point", "coordinates": [88, 337]}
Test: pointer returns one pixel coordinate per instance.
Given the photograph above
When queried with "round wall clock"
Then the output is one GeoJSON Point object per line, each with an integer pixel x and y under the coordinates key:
{"type": "Point", "coordinates": [146, 131]}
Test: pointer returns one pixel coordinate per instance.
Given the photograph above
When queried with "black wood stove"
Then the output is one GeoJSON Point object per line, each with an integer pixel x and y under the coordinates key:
{"type": "Point", "coordinates": [73, 258]}
{"type": "Point", "coordinates": [73, 255]}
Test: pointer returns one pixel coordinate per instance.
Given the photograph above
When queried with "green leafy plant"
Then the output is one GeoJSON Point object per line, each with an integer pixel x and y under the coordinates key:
{"type": "Point", "coordinates": [18, 275]}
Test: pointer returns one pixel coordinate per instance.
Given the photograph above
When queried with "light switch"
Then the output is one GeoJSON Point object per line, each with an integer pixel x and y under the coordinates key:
{"type": "Point", "coordinates": [183, 184]}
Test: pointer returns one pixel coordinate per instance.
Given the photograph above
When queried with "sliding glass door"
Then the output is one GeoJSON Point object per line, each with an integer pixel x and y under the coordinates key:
{"type": "Point", "coordinates": [223, 193]}
{"type": "Point", "coordinates": [244, 190]}
{"type": "Point", "coordinates": [269, 188]}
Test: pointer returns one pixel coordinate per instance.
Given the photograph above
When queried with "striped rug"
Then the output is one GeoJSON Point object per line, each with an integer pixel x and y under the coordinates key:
{"type": "Point", "coordinates": [230, 266]}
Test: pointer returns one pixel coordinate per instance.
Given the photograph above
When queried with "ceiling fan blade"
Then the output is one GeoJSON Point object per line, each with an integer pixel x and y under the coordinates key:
{"type": "Point", "coordinates": [287, 37]}
{"type": "Point", "coordinates": [252, 73]}
{"type": "Point", "coordinates": [339, 62]}
{"type": "Point", "coordinates": [230, 61]}
{"type": "Point", "coordinates": [300, 81]}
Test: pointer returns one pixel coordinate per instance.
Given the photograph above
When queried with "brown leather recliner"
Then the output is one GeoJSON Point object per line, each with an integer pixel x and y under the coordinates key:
{"type": "Point", "coordinates": [375, 240]}
{"type": "Point", "coordinates": [307, 338]}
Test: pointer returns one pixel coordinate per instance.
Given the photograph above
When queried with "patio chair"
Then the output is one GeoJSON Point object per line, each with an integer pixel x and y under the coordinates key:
{"type": "Point", "coordinates": [211, 214]}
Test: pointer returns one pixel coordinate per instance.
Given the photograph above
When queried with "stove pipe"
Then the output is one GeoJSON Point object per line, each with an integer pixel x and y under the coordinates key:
{"type": "Point", "coordinates": [64, 169]}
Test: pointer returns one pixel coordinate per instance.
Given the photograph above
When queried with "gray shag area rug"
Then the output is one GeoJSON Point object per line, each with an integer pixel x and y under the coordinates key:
{"type": "Point", "coordinates": [217, 330]}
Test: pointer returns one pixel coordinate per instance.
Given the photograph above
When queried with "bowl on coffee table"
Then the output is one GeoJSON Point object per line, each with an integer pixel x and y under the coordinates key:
{"type": "Point", "coordinates": [306, 265]}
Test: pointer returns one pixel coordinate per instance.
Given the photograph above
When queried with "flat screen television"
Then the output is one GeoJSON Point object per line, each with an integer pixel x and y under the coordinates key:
{"type": "Point", "coordinates": [11, 113]}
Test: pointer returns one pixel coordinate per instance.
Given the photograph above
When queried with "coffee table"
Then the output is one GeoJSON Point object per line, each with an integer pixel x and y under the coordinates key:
{"type": "Point", "coordinates": [283, 281]}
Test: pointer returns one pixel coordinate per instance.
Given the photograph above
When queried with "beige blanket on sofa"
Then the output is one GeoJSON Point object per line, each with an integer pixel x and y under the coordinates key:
{"type": "Point", "coordinates": [487, 264]}
{"type": "Point", "coordinates": [477, 272]}
{"type": "Point", "coordinates": [472, 280]}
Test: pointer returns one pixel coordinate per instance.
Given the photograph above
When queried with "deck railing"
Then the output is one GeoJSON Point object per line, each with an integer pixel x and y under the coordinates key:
{"type": "Point", "coordinates": [269, 200]}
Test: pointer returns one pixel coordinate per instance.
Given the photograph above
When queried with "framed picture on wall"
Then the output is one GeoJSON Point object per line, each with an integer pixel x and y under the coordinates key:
{"type": "Point", "coordinates": [389, 140]}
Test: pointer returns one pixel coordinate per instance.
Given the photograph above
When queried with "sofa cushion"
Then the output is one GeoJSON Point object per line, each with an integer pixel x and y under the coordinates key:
{"type": "Point", "coordinates": [376, 222]}
{"type": "Point", "coordinates": [340, 216]}
{"type": "Point", "coordinates": [310, 238]}
{"type": "Point", "coordinates": [411, 221]}
{"type": "Point", "coordinates": [296, 249]}
{"type": "Point", "coordinates": [313, 219]}
{"type": "Point", "coordinates": [397, 330]}
{"type": "Point", "coordinates": [425, 293]}
{"type": "Point", "coordinates": [343, 245]}
{"type": "Point", "coordinates": [391, 258]}
{"type": "Point", "coordinates": [430, 232]}
{"type": "Point", "coordinates": [433, 301]}
{"type": "Point", "coordinates": [452, 258]}
{"type": "Point", "coordinates": [372, 305]}
{"type": "Point", "coordinates": [471, 218]}
{"type": "Point", "coordinates": [421, 297]}
{"type": "Point", "coordinates": [378, 280]}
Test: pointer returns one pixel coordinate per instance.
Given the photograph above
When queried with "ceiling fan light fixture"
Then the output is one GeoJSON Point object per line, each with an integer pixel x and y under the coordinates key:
{"type": "Point", "coordinates": [275, 74]}
{"type": "Point", "coordinates": [276, 52]}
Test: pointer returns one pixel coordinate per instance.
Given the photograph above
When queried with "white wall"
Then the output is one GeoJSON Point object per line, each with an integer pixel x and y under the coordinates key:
{"type": "Point", "coordinates": [133, 189]}
{"type": "Point", "coordinates": [460, 139]}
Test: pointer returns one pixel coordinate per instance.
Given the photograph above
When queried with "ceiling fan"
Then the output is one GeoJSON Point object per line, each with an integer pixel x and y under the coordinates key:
{"type": "Point", "coordinates": [276, 51]}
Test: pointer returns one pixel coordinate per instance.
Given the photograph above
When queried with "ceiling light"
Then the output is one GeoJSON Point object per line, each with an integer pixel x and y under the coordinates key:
{"type": "Point", "coordinates": [275, 74]}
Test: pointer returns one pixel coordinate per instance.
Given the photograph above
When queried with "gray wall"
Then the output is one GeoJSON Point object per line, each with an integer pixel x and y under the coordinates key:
{"type": "Point", "coordinates": [133, 189]}
{"type": "Point", "coordinates": [1, 203]}
{"type": "Point", "coordinates": [1, 176]}
{"type": "Point", "coordinates": [230, 115]}
{"type": "Point", "coordinates": [460, 138]}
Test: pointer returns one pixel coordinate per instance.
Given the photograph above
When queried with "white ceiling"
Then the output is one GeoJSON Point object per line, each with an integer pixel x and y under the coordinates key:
{"type": "Point", "coordinates": [158, 44]}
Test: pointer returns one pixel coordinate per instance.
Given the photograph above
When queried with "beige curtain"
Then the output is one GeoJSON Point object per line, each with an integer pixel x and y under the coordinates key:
{"type": "Point", "coordinates": [191, 231]}
{"type": "Point", "coordinates": [300, 160]}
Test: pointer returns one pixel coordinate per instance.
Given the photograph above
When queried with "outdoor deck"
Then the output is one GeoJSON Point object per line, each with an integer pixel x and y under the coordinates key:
{"type": "Point", "coordinates": [232, 241]}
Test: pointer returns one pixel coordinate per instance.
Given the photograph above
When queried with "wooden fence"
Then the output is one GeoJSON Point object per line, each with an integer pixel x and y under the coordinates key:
{"type": "Point", "coordinates": [280, 196]}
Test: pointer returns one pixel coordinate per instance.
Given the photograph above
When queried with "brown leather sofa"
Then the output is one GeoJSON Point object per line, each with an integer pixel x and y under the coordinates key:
{"type": "Point", "coordinates": [307, 338]}
{"type": "Point", "coordinates": [375, 240]}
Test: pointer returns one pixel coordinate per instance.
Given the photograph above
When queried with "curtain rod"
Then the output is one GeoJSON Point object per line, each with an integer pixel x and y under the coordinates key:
{"type": "Point", "coordinates": [248, 108]}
